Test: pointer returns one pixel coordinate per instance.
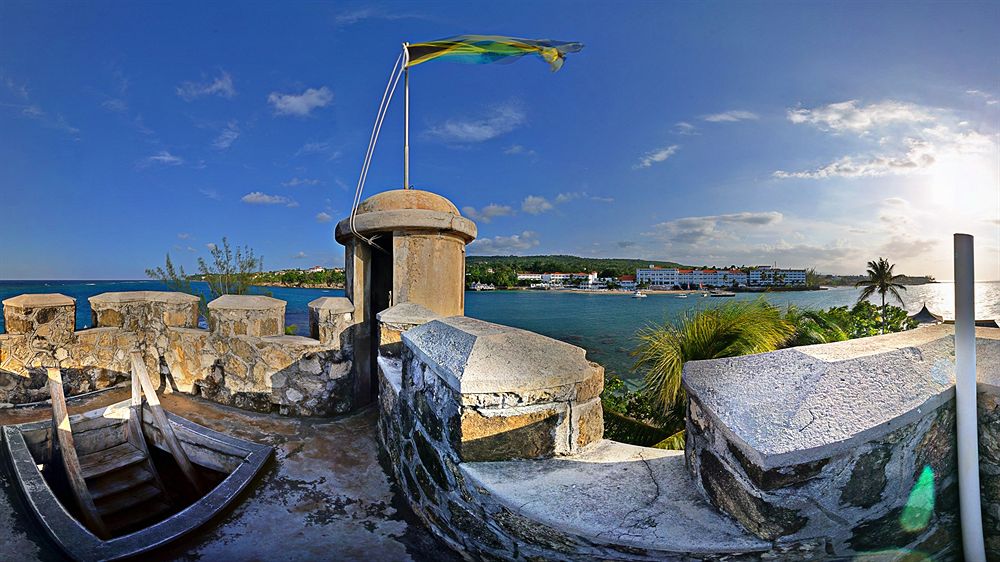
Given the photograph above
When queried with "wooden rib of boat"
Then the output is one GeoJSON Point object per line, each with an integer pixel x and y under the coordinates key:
{"type": "Point", "coordinates": [122, 480]}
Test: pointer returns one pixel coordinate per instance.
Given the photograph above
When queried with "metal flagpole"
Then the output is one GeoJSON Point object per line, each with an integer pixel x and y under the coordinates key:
{"type": "Point", "coordinates": [406, 117]}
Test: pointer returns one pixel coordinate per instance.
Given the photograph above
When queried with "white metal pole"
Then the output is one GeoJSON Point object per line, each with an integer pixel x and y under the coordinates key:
{"type": "Point", "coordinates": [406, 119]}
{"type": "Point", "coordinates": [965, 401]}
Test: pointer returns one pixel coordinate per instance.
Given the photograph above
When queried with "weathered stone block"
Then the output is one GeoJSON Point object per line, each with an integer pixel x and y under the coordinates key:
{"type": "Point", "coordinates": [329, 318]}
{"type": "Point", "coordinates": [509, 435]}
{"type": "Point", "coordinates": [50, 317]}
{"type": "Point", "coordinates": [247, 315]}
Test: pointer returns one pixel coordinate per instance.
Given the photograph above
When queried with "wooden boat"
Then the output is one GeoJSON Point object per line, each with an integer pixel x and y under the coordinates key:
{"type": "Point", "coordinates": [122, 480]}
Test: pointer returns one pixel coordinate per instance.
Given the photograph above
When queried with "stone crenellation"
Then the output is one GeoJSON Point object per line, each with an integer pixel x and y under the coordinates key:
{"type": "Point", "coordinates": [244, 359]}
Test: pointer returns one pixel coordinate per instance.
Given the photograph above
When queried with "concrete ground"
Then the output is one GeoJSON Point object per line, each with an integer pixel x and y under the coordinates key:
{"type": "Point", "coordinates": [324, 497]}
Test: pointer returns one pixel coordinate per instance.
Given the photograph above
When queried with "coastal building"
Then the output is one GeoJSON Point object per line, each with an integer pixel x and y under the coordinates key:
{"type": "Point", "coordinates": [316, 269]}
{"type": "Point", "coordinates": [529, 276]}
{"type": "Point", "coordinates": [762, 276]}
{"type": "Point", "coordinates": [627, 282]}
{"type": "Point", "coordinates": [767, 276]}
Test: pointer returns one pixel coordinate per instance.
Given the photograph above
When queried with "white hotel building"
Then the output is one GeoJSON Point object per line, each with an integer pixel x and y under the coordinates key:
{"type": "Point", "coordinates": [763, 276]}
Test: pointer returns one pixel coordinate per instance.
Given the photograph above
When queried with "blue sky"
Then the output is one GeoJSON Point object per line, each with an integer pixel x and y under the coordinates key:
{"type": "Point", "coordinates": [807, 134]}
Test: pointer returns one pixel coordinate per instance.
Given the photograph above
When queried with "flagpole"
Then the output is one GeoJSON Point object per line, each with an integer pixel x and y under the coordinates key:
{"type": "Point", "coordinates": [406, 117]}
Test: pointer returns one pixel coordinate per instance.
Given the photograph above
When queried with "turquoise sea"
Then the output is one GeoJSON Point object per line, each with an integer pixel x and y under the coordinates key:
{"type": "Point", "coordinates": [603, 324]}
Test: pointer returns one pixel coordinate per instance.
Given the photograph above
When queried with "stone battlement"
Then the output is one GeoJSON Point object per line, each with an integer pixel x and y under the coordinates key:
{"type": "Point", "coordinates": [244, 359]}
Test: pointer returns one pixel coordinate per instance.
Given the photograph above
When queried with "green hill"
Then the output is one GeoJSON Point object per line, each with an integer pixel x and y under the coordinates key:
{"type": "Point", "coordinates": [505, 268]}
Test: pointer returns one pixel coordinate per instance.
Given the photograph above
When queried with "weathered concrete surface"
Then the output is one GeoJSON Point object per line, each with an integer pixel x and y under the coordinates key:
{"type": "Point", "coordinates": [615, 493]}
{"type": "Point", "coordinates": [477, 357]}
{"type": "Point", "coordinates": [787, 407]}
{"type": "Point", "coordinates": [329, 319]}
{"type": "Point", "coordinates": [325, 497]}
{"type": "Point", "coordinates": [393, 321]}
{"type": "Point", "coordinates": [832, 441]}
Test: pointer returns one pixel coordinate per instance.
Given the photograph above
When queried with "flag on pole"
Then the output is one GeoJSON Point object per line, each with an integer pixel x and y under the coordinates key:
{"type": "Point", "coordinates": [484, 49]}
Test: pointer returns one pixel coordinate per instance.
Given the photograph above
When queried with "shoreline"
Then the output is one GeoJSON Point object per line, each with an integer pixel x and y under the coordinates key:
{"type": "Point", "coordinates": [297, 286]}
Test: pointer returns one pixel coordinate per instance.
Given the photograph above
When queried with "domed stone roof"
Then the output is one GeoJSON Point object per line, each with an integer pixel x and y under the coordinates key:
{"type": "Point", "coordinates": [399, 199]}
{"type": "Point", "coordinates": [407, 210]}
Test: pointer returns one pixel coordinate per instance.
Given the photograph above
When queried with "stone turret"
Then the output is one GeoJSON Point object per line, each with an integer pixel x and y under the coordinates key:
{"type": "Point", "coordinates": [418, 257]}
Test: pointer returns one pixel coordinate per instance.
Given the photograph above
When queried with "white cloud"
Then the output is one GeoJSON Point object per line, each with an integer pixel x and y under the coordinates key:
{"type": "Point", "coordinates": [572, 195]}
{"type": "Point", "coordinates": [221, 86]}
{"type": "Point", "coordinates": [300, 256]}
{"type": "Point", "coordinates": [986, 97]}
{"type": "Point", "coordinates": [850, 116]}
{"type": "Point", "coordinates": [227, 137]}
{"type": "Point", "coordinates": [535, 205]}
{"type": "Point", "coordinates": [351, 17]}
{"type": "Point", "coordinates": [685, 128]}
{"type": "Point", "coordinates": [516, 149]}
{"type": "Point", "coordinates": [260, 198]}
{"type": "Point", "coordinates": [488, 213]}
{"type": "Point", "coordinates": [300, 105]}
{"type": "Point", "coordinates": [297, 181]}
{"type": "Point", "coordinates": [184, 235]}
{"type": "Point", "coordinates": [696, 230]}
{"type": "Point", "coordinates": [730, 116]}
{"type": "Point", "coordinates": [505, 244]}
{"type": "Point", "coordinates": [498, 121]}
{"type": "Point", "coordinates": [162, 157]}
{"type": "Point", "coordinates": [210, 246]}
{"type": "Point", "coordinates": [658, 155]}
{"type": "Point", "coordinates": [323, 217]}
{"type": "Point", "coordinates": [910, 138]}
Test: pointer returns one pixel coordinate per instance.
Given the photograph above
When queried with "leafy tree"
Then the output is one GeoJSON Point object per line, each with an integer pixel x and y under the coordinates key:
{"type": "Point", "coordinates": [883, 281]}
{"type": "Point", "coordinates": [230, 273]}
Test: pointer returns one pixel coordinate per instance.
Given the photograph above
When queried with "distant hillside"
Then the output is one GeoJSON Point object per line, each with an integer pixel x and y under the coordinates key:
{"type": "Point", "coordinates": [569, 264]}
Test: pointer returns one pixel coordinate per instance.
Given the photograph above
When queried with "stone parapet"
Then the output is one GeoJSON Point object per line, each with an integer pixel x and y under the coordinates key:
{"type": "Point", "coordinates": [135, 311]}
{"type": "Point", "coordinates": [396, 320]}
{"type": "Point", "coordinates": [329, 319]}
{"type": "Point", "coordinates": [852, 443]}
{"type": "Point", "coordinates": [502, 392]}
{"type": "Point", "coordinates": [50, 318]}
{"type": "Point", "coordinates": [246, 361]}
{"type": "Point", "coordinates": [246, 315]}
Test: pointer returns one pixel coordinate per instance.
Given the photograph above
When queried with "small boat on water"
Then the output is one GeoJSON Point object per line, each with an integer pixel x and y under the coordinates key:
{"type": "Point", "coordinates": [722, 294]}
{"type": "Point", "coordinates": [119, 481]}
{"type": "Point", "coordinates": [639, 295]}
{"type": "Point", "coordinates": [682, 296]}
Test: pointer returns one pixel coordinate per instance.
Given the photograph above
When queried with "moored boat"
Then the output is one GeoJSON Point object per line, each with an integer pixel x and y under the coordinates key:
{"type": "Point", "coordinates": [639, 295]}
{"type": "Point", "coordinates": [122, 480]}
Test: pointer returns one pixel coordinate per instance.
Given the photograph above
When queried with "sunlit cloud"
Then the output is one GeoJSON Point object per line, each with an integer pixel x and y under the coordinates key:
{"type": "Point", "coordinates": [221, 86]}
{"type": "Point", "coordinates": [260, 198]}
{"type": "Point", "coordinates": [658, 155]}
{"type": "Point", "coordinates": [512, 244]}
{"type": "Point", "coordinates": [536, 205]}
{"type": "Point", "coordinates": [487, 213]}
{"type": "Point", "coordinates": [498, 120]}
{"type": "Point", "coordinates": [227, 137]}
{"type": "Point", "coordinates": [730, 116]}
{"type": "Point", "coordinates": [300, 105]}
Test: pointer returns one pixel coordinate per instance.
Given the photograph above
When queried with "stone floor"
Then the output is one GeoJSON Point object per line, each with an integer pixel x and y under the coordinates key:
{"type": "Point", "coordinates": [324, 497]}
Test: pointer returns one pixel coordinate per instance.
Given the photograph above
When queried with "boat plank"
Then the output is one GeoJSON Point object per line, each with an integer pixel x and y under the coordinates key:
{"type": "Point", "coordinates": [73, 464]}
{"type": "Point", "coordinates": [139, 517]}
{"type": "Point", "coordinates": [110, 460]}
{"type": "Point", "coordinates": [122, 480]}
{"type": "Point", "coordinates": [160, 417]}
{"type": "Point", "coordinates": [129, 498]}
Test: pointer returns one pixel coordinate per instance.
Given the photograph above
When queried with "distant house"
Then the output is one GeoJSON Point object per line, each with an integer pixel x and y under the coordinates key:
{"type": "Point", "coordinates": [627, 282]}
{"type": "Point", "coordinates": [316, 269]}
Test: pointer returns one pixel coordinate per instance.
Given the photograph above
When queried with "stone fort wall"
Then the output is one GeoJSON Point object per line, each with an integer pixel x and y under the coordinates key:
{"type": "Point", "coordinates": [244, 359]}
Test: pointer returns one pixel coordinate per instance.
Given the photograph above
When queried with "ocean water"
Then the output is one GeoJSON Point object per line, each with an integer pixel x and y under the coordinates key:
{"type": "Point", "coordinates": [603, 324]}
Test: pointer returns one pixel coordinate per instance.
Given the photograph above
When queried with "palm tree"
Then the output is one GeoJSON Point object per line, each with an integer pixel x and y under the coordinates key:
{"type": "Point", "coordinates": [736, 328]}
{"type": "Point", "coordinates": [882, 281]}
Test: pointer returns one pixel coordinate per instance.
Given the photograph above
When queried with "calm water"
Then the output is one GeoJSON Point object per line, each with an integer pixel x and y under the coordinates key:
{"type": "Point", "coordinates": [604, 325]}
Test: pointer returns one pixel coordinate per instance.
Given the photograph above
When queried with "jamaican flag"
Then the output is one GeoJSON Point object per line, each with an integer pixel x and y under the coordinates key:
{"type": "Point", "coordinates": [483, 49]}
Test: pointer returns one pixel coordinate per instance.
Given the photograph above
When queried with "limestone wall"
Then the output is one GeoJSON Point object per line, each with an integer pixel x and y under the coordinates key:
{"type": "Point", "coordinates": [244, 360]}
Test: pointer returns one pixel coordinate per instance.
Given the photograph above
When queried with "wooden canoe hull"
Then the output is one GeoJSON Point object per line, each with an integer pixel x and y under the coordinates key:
{"type": "Point", "coordinates": [26, 446]}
